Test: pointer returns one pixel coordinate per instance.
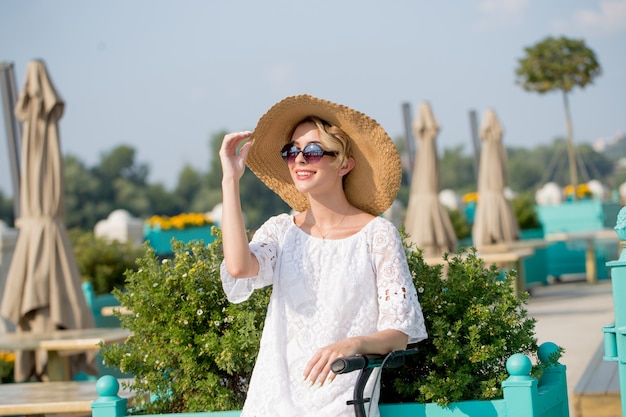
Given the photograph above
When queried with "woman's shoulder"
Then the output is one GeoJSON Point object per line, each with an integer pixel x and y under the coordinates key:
{"type": "Point", "coordinates": [280, 221]}
{"type": "Point", "coordinates": [382, 233]}
{"type": "Point", "coordinates": [379, 223]}
{"type": "Point", "coordinates": [281, 218]}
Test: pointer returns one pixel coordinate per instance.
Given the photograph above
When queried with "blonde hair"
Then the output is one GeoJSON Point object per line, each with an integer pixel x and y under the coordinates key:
{"type": "Point", "coordinates": [332, 139]}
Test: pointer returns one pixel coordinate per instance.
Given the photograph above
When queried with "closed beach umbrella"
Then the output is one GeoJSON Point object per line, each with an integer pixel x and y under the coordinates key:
{"type": "Point", "coordinates": [494, 221]}
{"type": "Point", "coordinates": [427, 221]}
{"type": "Point", "coordinates": [43, 288]}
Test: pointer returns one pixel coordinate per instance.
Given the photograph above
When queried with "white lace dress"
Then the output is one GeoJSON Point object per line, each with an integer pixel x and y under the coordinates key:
{"type": "Point", "coordinates": [323, 291]}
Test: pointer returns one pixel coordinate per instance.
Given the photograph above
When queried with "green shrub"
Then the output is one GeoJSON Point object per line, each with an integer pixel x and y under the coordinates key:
{"type": "Point", "coordinates": [524, 209]}
{"type": "Point", "coordinates": [462, 229]}
{"type": "Point", "coordinates": [101, 262]}
{"type": "Point", "coordinates": [191, 348]}
{"type": "Point", "coordinates": [194, 351]}
{"type": "Point", "coordinates": [475, 322]}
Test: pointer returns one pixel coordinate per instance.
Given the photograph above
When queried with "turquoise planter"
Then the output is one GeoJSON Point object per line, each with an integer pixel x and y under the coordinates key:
{"type": "Point", "coordinates": [577, 216]}
{"type": "Point", "coordinates": [161, 240]}
{"type": "Point", "coordinates": [465, 408]}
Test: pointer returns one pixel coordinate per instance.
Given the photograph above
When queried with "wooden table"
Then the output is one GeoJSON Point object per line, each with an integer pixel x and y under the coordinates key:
{"type": "Point", "coordinates": [108, 311]}
{"type": "Point", "coordinates": [514, 245]}
{"type": "Point", "coordinates": [62, 343]}
{"type": "Point", "coordinates": [51, 397]}
{"type": "Point", "coordinates": [506, 259]}
{"type": "Point", "coordinates": [589, 237]}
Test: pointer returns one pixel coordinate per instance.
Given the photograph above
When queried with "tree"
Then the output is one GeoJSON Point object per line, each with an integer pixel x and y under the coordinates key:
{"type": "Point", "coordinates": [117, 182]}
{"type": "Point", "coordinates": [83, 206]}
{"type": "Point", "coordinates": [162, 201]}
{"type": "Point", "coordinates": [189, 183]}
{"type": "Point", "coordinates": [559, 64]}
{"type": "Point", "coordinates": [214, 176]}
{"type": "Point", "coordinates": [525, 168]}
{"type": "Point", "coordinates": [6, 210]}
{"type": "Point", "coordinates": [131, 197]}
{"type": "Point", "coordinates": [457, 170]}
{"type": "Point", "coordinates": [119, 163]}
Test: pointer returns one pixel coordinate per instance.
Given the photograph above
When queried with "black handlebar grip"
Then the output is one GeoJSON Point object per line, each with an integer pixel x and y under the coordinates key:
{"type": "Point", "coordinates": [348, 364]}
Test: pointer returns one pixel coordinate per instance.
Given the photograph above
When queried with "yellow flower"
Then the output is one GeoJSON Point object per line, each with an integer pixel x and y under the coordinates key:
{"type": "Point", "coordinates": [180, 221]}
{"type": "Point", "coordinates": [470, 197]}
{"type": "Point", "coordinates": [8, 357]}
{"type": "Point", "coordinates": [582, 190]}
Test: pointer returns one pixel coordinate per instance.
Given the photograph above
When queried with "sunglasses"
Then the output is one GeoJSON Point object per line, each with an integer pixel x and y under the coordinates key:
{"type": "Point", "coordinates": [312, 153]}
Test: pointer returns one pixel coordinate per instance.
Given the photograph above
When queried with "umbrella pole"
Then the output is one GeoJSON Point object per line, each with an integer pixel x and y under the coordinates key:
{"type": "Point", "coordinates": [410, 143]}
{"type": "Point", "coordinates": [475, 141]}
{"type": "Point", "coordinates": [9, 98]}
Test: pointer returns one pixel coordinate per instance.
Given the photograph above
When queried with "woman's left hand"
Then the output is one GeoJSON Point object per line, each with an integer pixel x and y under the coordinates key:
{"type": "Point", "coordinates": [317, 370]}
{"type": "Point", "coordinates": [382, 342]}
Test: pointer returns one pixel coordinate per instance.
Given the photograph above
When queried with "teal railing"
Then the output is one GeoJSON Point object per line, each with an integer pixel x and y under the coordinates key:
{"type": "Point", "coordinates": [615, 333]}
{"type": "Point", "coordinates": [524, 396]}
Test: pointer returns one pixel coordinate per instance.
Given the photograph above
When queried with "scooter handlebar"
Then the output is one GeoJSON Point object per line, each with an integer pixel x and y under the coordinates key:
{"type": "Point", "coordinates": [348, 364]}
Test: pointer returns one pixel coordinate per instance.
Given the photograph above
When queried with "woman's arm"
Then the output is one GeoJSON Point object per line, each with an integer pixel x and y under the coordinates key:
{"type": "Point", "coordinates": [382, 342]}
{"type": "Point", "coordinates": [240, 262]}
{"type": "Point", "coordinates": [397, 301]}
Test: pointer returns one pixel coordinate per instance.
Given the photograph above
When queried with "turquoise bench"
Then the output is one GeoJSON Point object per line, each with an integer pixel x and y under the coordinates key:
{"type": "Point", "coordinates": [97, 302]}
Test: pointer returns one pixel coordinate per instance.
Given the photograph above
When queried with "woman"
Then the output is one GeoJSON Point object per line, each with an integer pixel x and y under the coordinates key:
{"type": "Point", "coordinates": [341, 284]}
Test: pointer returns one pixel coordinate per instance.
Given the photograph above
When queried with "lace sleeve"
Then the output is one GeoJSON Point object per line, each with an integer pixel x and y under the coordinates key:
{"type": "Point", "coordinates": [264, 245]}
{"type": "Point", "coordinates": [399, 306]}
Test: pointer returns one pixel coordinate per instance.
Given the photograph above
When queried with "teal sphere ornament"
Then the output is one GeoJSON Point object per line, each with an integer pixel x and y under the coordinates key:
{"type": "Point", "coordinates": [107, 386]}
{"type": "Point", "coordinates": [519, 365]}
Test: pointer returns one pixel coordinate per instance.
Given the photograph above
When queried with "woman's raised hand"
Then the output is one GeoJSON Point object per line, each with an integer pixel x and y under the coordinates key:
{"type": "Point", "coordinates": [233, 162]}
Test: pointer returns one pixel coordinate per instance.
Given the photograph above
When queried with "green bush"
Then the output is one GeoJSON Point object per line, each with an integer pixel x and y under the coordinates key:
{"type": "Point", "coordinates": [524, 209]}
{"type": "Point", "coordinates": [475, 322]}
{"type": "Point", "coordinates": [194, 351]}
{"type": "Point", "coordinates": [101, 262]}
{"type": "Point", "coordinates": [462, 229]}
{"type": "Point", "coordinates": [191, 348]}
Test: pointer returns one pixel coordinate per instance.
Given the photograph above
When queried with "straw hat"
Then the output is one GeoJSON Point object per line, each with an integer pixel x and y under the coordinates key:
{"type": "Point", "coordinates": [372, 184]}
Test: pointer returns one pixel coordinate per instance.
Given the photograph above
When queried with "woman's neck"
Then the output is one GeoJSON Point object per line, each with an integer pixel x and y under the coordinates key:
{"type": "Point", "coordinates": [326, 220]}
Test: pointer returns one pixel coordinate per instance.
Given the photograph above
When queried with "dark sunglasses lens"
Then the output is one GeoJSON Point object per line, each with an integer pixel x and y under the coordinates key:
{"type": "Point", "coordinates": [312, 153]}
{"type": "Point", "coordinates": [289, 152]}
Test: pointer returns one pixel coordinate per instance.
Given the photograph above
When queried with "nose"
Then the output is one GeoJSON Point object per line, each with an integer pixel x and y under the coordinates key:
{"type": "Point", "coordinates": [300, 158]}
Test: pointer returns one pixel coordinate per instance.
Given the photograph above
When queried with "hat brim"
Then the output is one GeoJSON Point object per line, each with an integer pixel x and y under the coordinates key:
{"type": "Point", "coordinates": [373, 183]}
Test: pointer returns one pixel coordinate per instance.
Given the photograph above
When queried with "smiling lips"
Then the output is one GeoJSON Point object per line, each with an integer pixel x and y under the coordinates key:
{"type": "Point", "coordinates": [304, 174]}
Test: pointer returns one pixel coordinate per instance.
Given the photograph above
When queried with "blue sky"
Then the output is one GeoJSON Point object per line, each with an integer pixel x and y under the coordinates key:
{"type": "Point", "coordinates": [163, 76]}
